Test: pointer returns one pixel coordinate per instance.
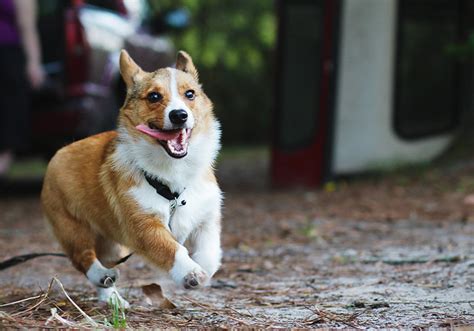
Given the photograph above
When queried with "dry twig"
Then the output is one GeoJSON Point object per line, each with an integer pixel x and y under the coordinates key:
{"type": "Point", "coordinates": [87, 317]}
{"type": "Point", "coordinates": [20, 301]}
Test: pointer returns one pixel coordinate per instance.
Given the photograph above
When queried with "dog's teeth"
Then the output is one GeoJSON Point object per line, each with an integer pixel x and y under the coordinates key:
{"type": "Point", "coordinates": [183, 137]}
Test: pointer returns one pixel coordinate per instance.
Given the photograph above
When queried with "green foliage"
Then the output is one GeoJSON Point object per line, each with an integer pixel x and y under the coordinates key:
{"type": "Point", "coordinates": [118, 318]}
{"type": "Point", "coordinates": [232, 45]}
{"type": "Point", "coordinates": [463, 51]}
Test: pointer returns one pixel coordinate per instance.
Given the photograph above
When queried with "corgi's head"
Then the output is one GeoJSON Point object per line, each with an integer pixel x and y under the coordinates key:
{"type": "Point", "coordinates": [167, 107]}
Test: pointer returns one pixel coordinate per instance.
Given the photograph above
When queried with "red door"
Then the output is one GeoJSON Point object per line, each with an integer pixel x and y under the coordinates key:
{"type": "Point", "coordinates": [306, 62]}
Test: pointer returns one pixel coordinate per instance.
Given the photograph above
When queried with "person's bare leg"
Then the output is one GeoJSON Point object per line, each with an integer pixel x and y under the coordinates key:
{"type": "Point", "coordinates": [6, 160]}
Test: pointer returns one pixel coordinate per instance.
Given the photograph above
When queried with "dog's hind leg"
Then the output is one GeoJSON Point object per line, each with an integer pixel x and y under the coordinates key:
{"type": "Point", "coordinates": [76, 238]}
{"type": "Point", "coordinates": [79, 242]}
{"type": "Point", "coordinates": [104, 279]}
{"type": "Point", "coordinates": [108, 253]}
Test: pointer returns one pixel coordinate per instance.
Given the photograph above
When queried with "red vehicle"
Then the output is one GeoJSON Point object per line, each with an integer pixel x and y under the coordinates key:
{"type": "Point", "coordinates": [81, 41]}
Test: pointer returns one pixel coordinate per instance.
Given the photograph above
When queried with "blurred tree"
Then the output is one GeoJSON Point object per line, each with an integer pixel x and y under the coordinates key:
{"type": "Point", "coordinates": [232, 44]}
{"type": "Point", "coordinates": [463, 50]}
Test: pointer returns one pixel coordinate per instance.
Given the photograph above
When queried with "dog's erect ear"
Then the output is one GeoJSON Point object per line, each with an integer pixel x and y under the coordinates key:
{"type": "Point", "coordinates": [185, 63]}
{"type": "Point", "coordinates": [129, 70]}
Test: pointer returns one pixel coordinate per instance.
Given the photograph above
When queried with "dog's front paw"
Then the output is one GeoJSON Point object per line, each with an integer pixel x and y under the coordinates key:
{"type": "Point", "coordinates": [195, 279]}
{"type": "Point", "coordinates": [186, 272]}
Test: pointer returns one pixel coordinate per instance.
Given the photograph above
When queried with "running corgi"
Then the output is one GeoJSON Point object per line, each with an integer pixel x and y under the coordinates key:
{"type": "Point", "coordinates": [148, 187]}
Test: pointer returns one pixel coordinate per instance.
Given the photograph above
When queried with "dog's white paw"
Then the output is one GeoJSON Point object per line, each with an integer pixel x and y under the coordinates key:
{"type": "Point", "coordinates": [210, 261]}
{"type": "Point", "coordinates": [110, 295]}
{"type": "Point", "coordinates": [101, 276]}
{"type": "Point", "coordinates": [186, 272]}
{"type": "Point", "coordinates": [195, 279]}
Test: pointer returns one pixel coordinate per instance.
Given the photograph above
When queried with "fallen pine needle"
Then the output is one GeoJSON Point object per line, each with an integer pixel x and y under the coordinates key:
{"type": "Point", "coordinates": [87, 317]}
{"type": "Point", "coordinates": [55, 316]}
{"type": "Point", "coordinates": [43, 297]}
{"type": "Point", "coordinates": [215, 310]}
{"type": "Point", "coordinates": [326, 315]}
{"type": "Point", "coordinates": [20, 301]}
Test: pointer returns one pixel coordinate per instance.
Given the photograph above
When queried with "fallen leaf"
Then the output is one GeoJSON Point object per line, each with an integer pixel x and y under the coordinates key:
{"type": "Point", "coordinates": [61, 303]}
{"type": "Point", "coordinates": [155, 295]}
{"type": "Point", "coordinates": [469, 199]}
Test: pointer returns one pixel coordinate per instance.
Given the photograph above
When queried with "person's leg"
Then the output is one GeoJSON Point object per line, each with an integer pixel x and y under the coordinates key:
{"type": "Point", "coordinates": [14, 105]}
{"type": "Point", "coordinates": [6, 159]}
{"type": "Point", "coordinates": [6, 155]}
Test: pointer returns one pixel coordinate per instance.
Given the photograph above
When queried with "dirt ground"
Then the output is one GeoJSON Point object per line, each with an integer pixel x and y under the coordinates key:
{"type": "Point", "coordinates": [381, 251]}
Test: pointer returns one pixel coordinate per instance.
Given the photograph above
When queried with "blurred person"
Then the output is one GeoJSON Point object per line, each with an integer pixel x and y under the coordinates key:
{"type": "Point", "coordinates": [20, 70]}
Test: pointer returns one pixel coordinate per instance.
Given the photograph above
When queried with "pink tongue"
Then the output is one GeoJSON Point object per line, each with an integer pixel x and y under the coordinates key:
{"type": "Point", "coordinates": [157, 134]}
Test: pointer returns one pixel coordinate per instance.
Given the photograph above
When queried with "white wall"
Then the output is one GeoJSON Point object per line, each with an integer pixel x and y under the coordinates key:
{"type": "Point", "coordinates": [364, 134]}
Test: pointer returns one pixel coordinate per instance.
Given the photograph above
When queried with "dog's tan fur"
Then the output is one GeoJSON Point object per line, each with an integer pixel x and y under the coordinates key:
{"type": "Point", "coordinates": [85, 193]}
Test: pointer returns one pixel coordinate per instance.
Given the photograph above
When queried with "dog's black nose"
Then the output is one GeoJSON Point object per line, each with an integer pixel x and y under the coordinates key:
{"type": "Point", "coordinates": [178, 116]}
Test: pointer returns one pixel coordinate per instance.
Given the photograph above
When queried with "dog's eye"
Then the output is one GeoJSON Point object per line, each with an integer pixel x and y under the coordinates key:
{"type": "Point", "coordinates": [190, 94]}
{"type": "Point", "coordinates": [154, 97]}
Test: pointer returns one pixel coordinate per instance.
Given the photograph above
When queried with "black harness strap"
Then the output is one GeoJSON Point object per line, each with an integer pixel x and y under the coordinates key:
{"type": "Point", "coordinates": [123, 259]}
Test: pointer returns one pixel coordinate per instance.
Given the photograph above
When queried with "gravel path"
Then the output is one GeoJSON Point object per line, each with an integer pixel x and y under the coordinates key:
{"type": "Point", "coordinates": [285, 265]}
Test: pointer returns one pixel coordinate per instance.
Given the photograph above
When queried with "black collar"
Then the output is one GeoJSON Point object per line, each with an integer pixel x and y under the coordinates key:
{"type": "Point", "coordinates": [161, 188]}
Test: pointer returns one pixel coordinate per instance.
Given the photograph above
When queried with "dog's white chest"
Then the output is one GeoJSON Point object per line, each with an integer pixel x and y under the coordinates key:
{"type": "Point", "coordinates": [202, 201]}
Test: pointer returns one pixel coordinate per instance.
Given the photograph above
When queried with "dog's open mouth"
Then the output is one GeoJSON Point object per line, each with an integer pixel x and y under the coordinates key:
{"type": "Point", "coordinates": [175, 142]}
